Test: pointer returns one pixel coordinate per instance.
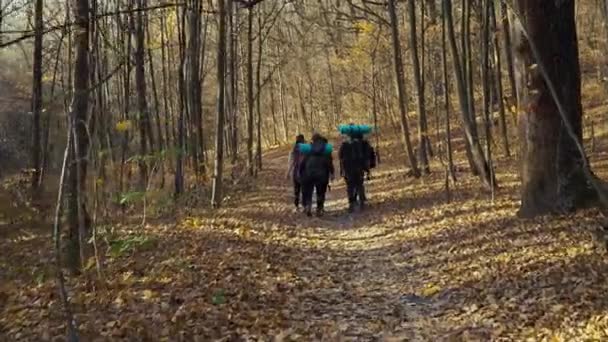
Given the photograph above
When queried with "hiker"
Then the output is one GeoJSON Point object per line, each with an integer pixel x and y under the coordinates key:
{"type": "Point", "coordinates": [356, 159]}
{"type": "Point", "coordinates": [293, 171]}
{"type": "Point", "coordinates": [317, 169]}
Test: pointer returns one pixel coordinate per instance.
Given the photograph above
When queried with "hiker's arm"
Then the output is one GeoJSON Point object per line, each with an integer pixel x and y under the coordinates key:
{"type": "Point", "coordinates": [332, 170]}
{"type": "Point", "coordinates": [289, 165]}
{"type": "Point", "coordinates": [340, 153]}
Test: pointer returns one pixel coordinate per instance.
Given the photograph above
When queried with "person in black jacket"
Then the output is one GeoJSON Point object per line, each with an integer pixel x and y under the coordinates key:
{"type": "Point", "coordinates": [317, 170]}
{"type": "Point", "coordinates": [355, 155]}
{"type": "Point", "coordinates": [293, 171]}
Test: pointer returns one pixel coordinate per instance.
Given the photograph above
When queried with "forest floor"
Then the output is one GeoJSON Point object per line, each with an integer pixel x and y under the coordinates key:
{"type": "Point", "coordinates": [412, 267]}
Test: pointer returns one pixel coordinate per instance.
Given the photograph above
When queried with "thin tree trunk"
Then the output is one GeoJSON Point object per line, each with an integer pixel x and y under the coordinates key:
{"type": "Point", "coordinates": [142, 98]}
{"type": "Point", "coordinates": [259, 92]}
{"type": "Point", "coordinates": [498, 83]}
{"type": "Point", "coordinates": [181, 135]}
{"type": "Point", "coordinates": [216, 197]}
{"type": "Point", "coordinates": [398, 63]}
{"type": "Point", "coordinates": [422, 122]}
{"type": "Point", "coordinates": [485, 76]}
{"type": "Point", "coordinates": [478, 158]}
{"type": "Point", "coordinates": [37, 96]}
{"type": "Point", "coordinates": [506, 29]}
{"type": "Point", "coordinates": [446, 92]}
{"type": "Point", "coordinates": [250, 114]}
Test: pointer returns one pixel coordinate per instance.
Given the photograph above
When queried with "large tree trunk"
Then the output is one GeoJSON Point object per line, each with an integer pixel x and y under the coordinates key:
{"type": "Point", "coordinates": [552, 172]}
{"type": "Point", "coordinates": [398, 61]}
{"type": "Point", "coordinates": [193, 72]}
{"type": "Point", "coordinates": [216, 196]}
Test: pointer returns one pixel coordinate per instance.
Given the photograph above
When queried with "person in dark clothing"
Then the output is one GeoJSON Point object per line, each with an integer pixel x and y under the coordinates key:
{"type": "Point", "coordinates": [355, 155]}
{"type": "Point", "coordinates": [317, 170]}
{"type": "Point", "coordinates": [295, 160]}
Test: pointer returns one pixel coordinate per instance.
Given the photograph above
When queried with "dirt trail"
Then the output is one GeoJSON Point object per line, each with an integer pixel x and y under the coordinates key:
{"type": "Point", "coordinates": [412, 267]}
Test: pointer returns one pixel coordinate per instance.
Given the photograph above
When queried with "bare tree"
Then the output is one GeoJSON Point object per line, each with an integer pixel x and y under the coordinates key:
{"type": "Point", "coordinates": [398, 62]}
{"type": "Point", "coordinates": [216, 197]}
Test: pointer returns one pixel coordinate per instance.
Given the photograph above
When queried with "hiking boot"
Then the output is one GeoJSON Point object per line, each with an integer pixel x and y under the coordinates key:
{"type": "Point", "coordinates": [361, 205]}
{"type": "Point", "coordinates": [308, 211]}
{"type": "Point", "coordinates": [351, 208]}
{"type": "Point", "coordinates": [320, 212]}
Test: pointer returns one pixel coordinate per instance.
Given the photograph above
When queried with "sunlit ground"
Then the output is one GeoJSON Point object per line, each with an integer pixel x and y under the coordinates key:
{"type": "Point", "coordinates": [411, 267]}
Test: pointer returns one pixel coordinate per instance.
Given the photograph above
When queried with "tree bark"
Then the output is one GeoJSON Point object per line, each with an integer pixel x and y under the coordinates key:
{"type": "Point", "coordinates": [478, 158]}
{"type": "Point", "coordinates": [552, 169]}
{"type": "Point", "coordinates": [422, 121]}
{"type": "Point", "coordinates": [398, 62]}
{"type": "Point", "coordinates": [78, 220]}
{"type": "Point", "coordinates": [216, 196]}
{"type": "Point", "coordinates": [259, 93]}
{"type": "Point", "coordinates": [506, 29]}
{"type": "Point", "coordinates": [446, 93]}
{"type": "Point", "coordinates": [142, 98]}
{"type": "Point", "coordinates": [498, 83]}
{"type": "Point", "coordinates": [36, 96]}
{"type": "Point", "coordinates": [250, 114]}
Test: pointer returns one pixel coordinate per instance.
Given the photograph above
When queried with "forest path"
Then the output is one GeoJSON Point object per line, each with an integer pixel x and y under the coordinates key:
{"type": "Point", "coordinates": [412, 267]}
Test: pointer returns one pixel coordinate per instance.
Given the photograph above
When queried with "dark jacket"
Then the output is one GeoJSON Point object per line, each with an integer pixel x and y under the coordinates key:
{"type": "Point", "coordinates": [354, 157]}
{"type": "Point", "coordinates": [317, 165]}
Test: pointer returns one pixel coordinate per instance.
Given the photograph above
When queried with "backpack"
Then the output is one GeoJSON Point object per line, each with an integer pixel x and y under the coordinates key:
{"type": "Point", "coordinates": [316, 164]}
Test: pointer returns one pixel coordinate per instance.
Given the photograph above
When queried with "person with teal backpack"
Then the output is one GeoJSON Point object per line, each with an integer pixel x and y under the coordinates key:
{"type": "Point", "coordinates": [317, 169]}
{"type": "Point", "coordinates": [357, 158]}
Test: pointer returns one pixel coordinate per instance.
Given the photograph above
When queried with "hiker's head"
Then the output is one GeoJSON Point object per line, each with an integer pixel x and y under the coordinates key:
{"type": "Point", "coordinates": [300, 139]}
{"type": "Point", "coordinates": [357, 136]}
{"type": "Point", "coordinates": [317, 138]}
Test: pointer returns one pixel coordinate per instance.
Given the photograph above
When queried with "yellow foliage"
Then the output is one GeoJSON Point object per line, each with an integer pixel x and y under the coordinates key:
{"type": "Point", "coordinates": [364, 26]}
{"type": "Point", "coordinates": [123, 125]}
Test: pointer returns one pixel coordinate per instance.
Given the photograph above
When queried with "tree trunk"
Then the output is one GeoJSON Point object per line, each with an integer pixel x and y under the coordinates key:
{"type": "Point", "coordinates": [398, 61]}
{"type": "Point", "coordinates": [506, 29]}
{"type": "Point", "coordinates": [446, 93]}
{"type": "Point", "coordinates": [422, 122]}
{"type": "Point", "coordinates": [37, 96]}
{"type": "Point", "coordinates": [485, 76]}
{"type": "Point", "coordinates": [142, 102]}
{"type": "Point", "coordinates": [544, 139]}
{"type": "Point", "coordinates": [216, 196]}
{"type": "Point", "coordinates": [259, 93]}
{"type": "Point", "coordinates": [478, 158]}
{"type": "Point", "coordinates": [78, 221]}
{"type": "Point", "coordinates": [180, 142]}
{"type": "Point", "coordinates": [250, 114]}
{"type": "Point", "coordinates": [498, 83]}
{"type": "Point", "coordinates": [193, 73]}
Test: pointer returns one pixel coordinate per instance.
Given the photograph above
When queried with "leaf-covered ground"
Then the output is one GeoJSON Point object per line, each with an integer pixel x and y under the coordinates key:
{"type": "Point", "coordinates": [411, 268]}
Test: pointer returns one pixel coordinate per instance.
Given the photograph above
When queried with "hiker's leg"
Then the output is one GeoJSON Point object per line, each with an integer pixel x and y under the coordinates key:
{"type": "Point", "coordinates": [361, 189]}
{"type": "Point", "coordinates": [297, 191]}
{"type": "Point", "coordinates": [321, 187]}
{"type": "Point", "coordinates": [307, 189]}
{"type": "Point", "coordinates": [351, 192]}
